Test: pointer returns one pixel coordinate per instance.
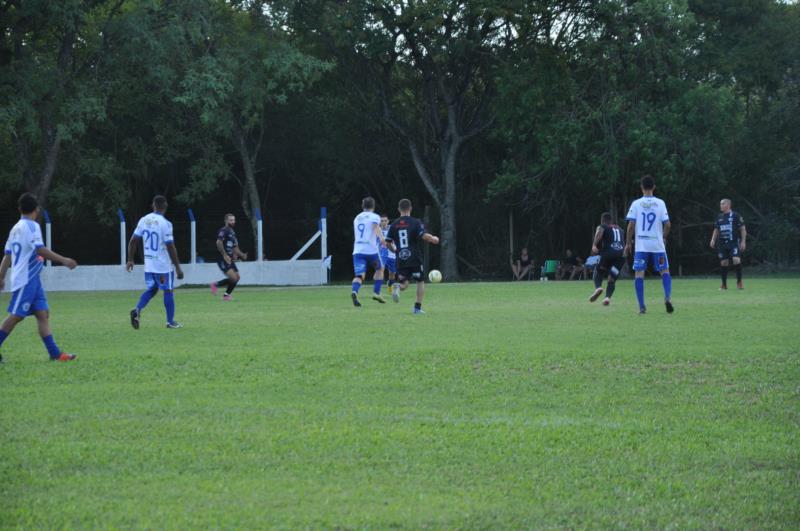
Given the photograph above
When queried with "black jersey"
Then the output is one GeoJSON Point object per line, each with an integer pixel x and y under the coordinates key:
{"type": "Point", "coordinates": [613, 239]}
{"type": "Point", "coordinates": [406, 234]}
{"type": "Point", "coordinates": [729, 226]}
{"type": "Point", "coordinates": [228, 238]}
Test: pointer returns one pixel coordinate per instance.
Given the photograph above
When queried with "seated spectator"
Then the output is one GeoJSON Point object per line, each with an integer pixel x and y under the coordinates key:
{"type": "Point", "coordinates": [523, 266]}
{"type": "Point", "coordinates": [571, 265]}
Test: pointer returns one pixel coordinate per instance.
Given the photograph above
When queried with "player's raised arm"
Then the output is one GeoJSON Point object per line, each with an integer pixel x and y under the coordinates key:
{"type": "Point", "coordinates": [47, 254]}
{"type": "Point", "coordinates": [430, 238]}
{"type": "Point", "coordinates": [173, 255]}
{"type": "Point", "coordinates": [132, 245]}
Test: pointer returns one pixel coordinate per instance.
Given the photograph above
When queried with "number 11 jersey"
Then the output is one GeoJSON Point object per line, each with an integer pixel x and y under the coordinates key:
{"type": "Point", "coordinates": [649, 214]}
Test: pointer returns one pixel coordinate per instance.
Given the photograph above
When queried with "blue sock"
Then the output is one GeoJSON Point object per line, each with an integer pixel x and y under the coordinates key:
{"type": "Point", "coordinates": [356, 287]}
{"type": "Point", "coordinates": [51, 346]}
{"type": "Point", "coordinates": [169, 304]}
{"type": "Point", "coordinates": [666, 280]}
{"type": "Point", "coordinates": [639, 284]}
{"type": "Point", "coordinates": [3, 336]}
{"type": "Point", "coordinates": [145, 298]}
{"type": "Point", "coordinates": [377, 288]}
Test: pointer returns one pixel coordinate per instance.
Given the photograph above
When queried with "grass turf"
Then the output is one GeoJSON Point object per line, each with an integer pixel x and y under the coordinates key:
{"type": "Point", "coordinates": [507, 405]}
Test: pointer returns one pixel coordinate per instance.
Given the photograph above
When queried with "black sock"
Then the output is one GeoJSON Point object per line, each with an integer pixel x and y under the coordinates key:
{"type": "Point", "coordinates": [739, 272]}
{"type": "Point", "coordinates": [223, 282]}
{"type": "Point", "coordinates": [598, 278]}
{"type": "Point", "coordinates": [231, 287]}
{"type": "Point", "coordinates": [417, 305]}
{"type": "Point", "coordinates": [612, 285]}
{"type": "Point", "coordinates": [724, 275]}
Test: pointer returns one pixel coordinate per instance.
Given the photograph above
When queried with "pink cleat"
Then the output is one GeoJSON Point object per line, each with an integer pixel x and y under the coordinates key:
{"type": "Point", "coordinates": [606, 301]}
{"type": "Point", "coordinates": [227, 297]}
{"type": "Point", "coordinates": [214, 288]}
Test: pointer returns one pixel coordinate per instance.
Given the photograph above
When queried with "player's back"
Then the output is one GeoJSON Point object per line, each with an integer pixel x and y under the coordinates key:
{"type": "Point", "coordinates": [406, 233]}
{"type": "Point", "coordinates": [649, 213]}
{"type": "Point", "coordinates": [24, 240]}
{"type": "Point", "coordinates": [156, 232]}
{"type": "Point", "coordinates": [365, 241]}
{"type": "Point", "coordinates": [613, 238]}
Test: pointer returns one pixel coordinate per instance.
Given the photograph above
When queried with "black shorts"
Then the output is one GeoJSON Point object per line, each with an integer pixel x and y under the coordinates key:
{"type": "Point", "coordinates": [415, 273]}
{"type": "Point", "coordinates": [611, 261]}
{"type": "Point", "coordinates": [225, 267]}
{"type": "Point", "coordinates": [728, 250]}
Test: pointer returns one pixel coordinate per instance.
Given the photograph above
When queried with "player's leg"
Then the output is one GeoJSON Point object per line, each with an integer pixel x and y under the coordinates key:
{"type": "Point", "coordinates": [167, 285]}
{"type": "Point", "coordinates": [43, 324]}
{"type": "Point", "coordinates": [598, 281]}
{"type": "Point", "coordinates": [640, 260]}
{"type": "Point", "coordinates": [224, 267]}
{"type": "Point", "coordinates": [662, 266]}
{"type": "Point", "coordinates": [233, 278]}
{"type": "Point", "coordinates": [8, 326]}
{"type": "Point", "coordinates": [613, 273]}
{"type": "Point", "coordinates": [152, 288]}
{"type": "Point", "coordinates": [420, 296]}
{"type": "Point", "coordinates": [737, 265]}
{"type": "Point", "coordinates": [359, 273]}
{"type": "Point", "coordinates": [723, 272]}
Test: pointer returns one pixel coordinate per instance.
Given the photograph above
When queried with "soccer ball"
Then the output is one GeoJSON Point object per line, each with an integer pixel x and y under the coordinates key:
{"type": "Point", "coordinates": [435, 276]}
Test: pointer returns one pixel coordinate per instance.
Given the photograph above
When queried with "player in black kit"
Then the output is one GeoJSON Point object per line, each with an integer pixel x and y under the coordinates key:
{"type": "Point", "coordinates": [730, 232]}
{"type": "Point", "coordinates": [228, 247]}
{"type": "Point", "coordinates": [405, 236]}
{"type": "Point", "coordinates": [609, 243]}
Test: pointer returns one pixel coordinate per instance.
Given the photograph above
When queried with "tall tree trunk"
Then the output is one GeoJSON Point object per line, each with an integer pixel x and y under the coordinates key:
{"type": "Point", "coordinates": [447, 211]}
{"type": "Point", "coordinates": [250, 196]}
{"type": "Point", "coordinates": [52, 147]}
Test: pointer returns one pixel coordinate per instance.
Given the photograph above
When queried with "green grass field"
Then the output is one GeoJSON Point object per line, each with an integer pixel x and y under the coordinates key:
{"type": "Point", "coordinates": [506, 406]}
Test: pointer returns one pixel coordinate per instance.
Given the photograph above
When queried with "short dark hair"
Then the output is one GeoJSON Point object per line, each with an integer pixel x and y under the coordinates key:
{"type": "Point", "coordinates": [648, 183]}
{"type": "Point", "coordinates": [228, 215]}
{"type": "Point", "coordinates": [606, 217]}
{"type": "Point", "coordinates": [404, 205]}
{"type": "Point", "coordinates": [27, 203]}
{"type": "Point", "coordinates": [367, 203]}
{"type": "Point", "coordinates": [160, 202]}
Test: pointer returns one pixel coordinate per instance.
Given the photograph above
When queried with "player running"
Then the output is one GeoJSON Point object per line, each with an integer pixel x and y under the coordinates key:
{"type": "Point", "coordinates": [228, 247]}
{"type": "Point", "coordinates": [366, 250]}
{"type": "Point", "coordinates": [24, 255]}
{"type": "Point", "coordinates": [649, 221]}
{"type": "Point", "coordinates": [388, 257]}
{"type": "Point", "coordinates": [730, 232]}
{"type": "Point", "coordinates": [160, 255]}
{"type": "Point", "coordinates": [609, 245]}
{"type": "Point", "coordinates": [406, 235]}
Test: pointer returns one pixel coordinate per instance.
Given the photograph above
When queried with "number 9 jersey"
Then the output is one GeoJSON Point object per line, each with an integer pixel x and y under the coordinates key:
{"type": "Point", "coordinates": [155, 232]}
{"type": "Point", "coordinates": [649, 214]}
{"type": "Point", "coordinates": [23, 243]}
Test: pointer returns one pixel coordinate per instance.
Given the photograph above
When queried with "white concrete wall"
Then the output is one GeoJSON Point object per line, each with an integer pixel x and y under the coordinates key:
{"type": "Point", "coordinates": [102, 278]}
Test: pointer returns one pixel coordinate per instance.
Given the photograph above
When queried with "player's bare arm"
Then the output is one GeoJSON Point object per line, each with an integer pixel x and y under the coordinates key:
{"type": "Point", "coordinates": [239, 254]}
{"type": "Point", "coordinates": [173, 255]}
{"type": "Point", "coordinates": [629, 237]}
{"type": "Point", "coordinates": [376, 229]}
{"type": "Point", "coordinates": [714, 236]}
{"type": "Point", "coordinates": [430, 238]}
{"type": "Point", "coordinates": [4, 265]}
{"type": "Point", "coordinates": [221, 249]}
{"type": "Point", "coordinates": [743, 240]}
{"type": "Point", "coordinates": [132, 245]}
{"type": "Point", "coordinates": [47, 254]}
{"type": "Point", "coordinates": [598, 235]}
{"type": "Point", "coordinates": [667, 226]}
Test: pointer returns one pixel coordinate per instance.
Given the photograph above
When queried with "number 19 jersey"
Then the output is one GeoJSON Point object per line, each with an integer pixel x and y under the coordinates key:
{"type": "Point", "coordinates": [649, 214]}
{"type": "Point", "coordinates": [155, 232]}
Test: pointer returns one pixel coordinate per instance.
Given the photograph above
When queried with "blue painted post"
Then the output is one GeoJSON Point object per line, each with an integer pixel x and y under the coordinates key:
{"type": "Point", "coordinates": [122, 233]}
{"type": "Point", "coordinates": [193, 251]}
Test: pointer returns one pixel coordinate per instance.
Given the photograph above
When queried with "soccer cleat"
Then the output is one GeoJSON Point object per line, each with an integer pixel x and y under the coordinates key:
{"type": "Point", "coordinates": [740, 285]}
{"type": "Point", "coordinates": [396, 292]}
{"type": "Point", "coordinates": [723, 287]}
{"type": "Point", "coordinates": [214, 288]}
{"type": "Point", "coordinates": [354, 296]}
{"type": "Point", "coordinates": [1, 358]}
{"type": "Point", "coordinates": [64, 357]}
{"type": "Point", "coordinates": [642, 310]}
{"type": "Point", "coordinates": [174, 324]}
{"type": "Point", "coordinates": [418, 311]}
{"type": "Point", "coordinates": [377, 297]}
{"type": "Point", "coordinates": [596, 294]}
{"type": "Point", "coordinates": [606, 301]}
{"type": "Point", "coordinates": [669, 306]}
{"type": "Point", "coordinates": [135, 319]}
{"type": "Point", "coordinates": [227, 297]}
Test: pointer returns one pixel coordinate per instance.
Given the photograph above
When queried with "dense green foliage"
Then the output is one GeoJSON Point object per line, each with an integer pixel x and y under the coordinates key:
{"type": "Point", "coordinates": [507, 406]}
{"type": "Point", "coordinates": [549, 109]}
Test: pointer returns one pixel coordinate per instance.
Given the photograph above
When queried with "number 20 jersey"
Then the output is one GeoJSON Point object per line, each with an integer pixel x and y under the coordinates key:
{"type": "Point", "coordinates": [155, 232]}
{"type": "Point", "coordinates": [649, 214]}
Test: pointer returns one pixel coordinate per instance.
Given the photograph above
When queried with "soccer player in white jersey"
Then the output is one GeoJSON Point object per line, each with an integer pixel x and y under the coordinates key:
{"type": "Point", "coordinates": [649, 221]}
{"type": "Point", "coordinates": [389, 259]}
{"type": "Point", "coordinates": [366, 250]}
{"type": "Point", "coordinates": [24, 255]}
{"type": "Point", "coordinates": [160, 260]}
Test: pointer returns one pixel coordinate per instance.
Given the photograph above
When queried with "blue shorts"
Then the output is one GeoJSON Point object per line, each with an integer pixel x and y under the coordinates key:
{"type": "Point", "coordinates": [28, 299]}
{"type": "Point", "coordinates": [362, 261]}
{"type": "Point", "coordinates": [641, 259]}
{"type": "Point", "coordinates": [390, 263]}
{"type": "Point", "coordinates": [163, 281]}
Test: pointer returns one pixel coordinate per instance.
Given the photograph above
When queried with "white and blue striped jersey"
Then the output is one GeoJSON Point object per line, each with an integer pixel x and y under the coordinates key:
{"type": "Point", "coordinates": [649, 213]}
{"type": "Point", "coordinates": [366, 242]}
{"type": "Point", "coordinates": [24, 241]}
{"type": "Point", "coordinates": [385, 251]}
{"type": "Point", "coordinates": [155, 232]}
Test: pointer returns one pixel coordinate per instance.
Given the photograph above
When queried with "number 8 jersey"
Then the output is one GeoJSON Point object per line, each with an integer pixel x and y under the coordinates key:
{"type": "Point", "coordinates": [649, 214]}
{"type": "Point", "coordinates": [23, 242]}
{"type": "Point", "coordinates": [155, 232]}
